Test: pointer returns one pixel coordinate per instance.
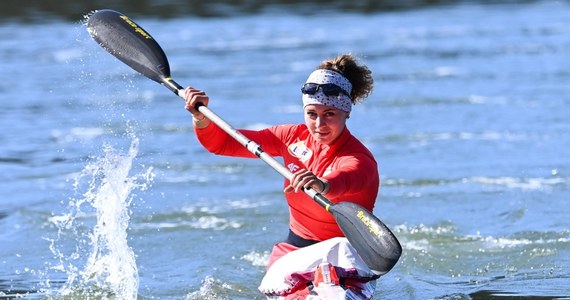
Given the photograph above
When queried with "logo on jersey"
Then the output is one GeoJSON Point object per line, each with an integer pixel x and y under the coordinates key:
{"type": "Point", "coordinates": [293, 167]}
{"type": "Point", "coordinates": [300, 151]}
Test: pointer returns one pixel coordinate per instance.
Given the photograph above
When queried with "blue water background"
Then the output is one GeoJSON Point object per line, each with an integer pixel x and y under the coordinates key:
{"type": "Point", "coordinates": [468, 119]}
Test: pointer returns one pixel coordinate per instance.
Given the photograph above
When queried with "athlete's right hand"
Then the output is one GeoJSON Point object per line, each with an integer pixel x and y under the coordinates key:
{"type": "Point", "coordinates": [193, 97]}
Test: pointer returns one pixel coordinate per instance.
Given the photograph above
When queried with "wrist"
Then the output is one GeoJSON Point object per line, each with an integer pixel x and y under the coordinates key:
{"type": "Point", "coordinates": [200, 122]}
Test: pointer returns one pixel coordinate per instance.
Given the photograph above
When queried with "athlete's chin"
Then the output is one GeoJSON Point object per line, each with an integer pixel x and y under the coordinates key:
{"type": "Point", "coordinates": [323, 138]}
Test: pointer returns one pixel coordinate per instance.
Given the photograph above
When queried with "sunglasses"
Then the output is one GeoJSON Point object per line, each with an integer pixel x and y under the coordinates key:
{"type": "Point", "coordinates": [329, 89]}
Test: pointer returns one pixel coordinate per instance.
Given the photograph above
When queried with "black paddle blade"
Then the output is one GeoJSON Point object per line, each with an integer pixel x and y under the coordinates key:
{"type": "Point", "coordinates": [128, 42]}
{"type": "Point", "coordinates": [371, 238]}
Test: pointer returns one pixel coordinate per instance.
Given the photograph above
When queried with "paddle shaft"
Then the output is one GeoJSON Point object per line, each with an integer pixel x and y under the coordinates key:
{"type": "Point", "coordinates": [375, 243]}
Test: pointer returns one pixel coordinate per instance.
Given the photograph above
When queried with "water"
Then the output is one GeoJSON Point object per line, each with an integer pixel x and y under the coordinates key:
{"type": "Point", "coordinates": [105, 191]}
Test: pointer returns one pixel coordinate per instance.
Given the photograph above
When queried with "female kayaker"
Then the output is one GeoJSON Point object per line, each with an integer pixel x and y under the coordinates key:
{"type": "Point", "coordinates": [322, 154]}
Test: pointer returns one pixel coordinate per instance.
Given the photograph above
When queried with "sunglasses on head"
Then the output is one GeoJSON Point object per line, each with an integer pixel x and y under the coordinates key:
{"type": "Point", "coordinates": [329, 89]}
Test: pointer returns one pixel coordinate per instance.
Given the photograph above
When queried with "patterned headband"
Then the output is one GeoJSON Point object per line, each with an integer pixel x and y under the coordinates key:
{"type": "Point", "coordinates": [324, 76]}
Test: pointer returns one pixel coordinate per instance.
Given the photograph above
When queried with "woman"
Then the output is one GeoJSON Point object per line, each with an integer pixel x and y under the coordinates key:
{"type": "Point", "coordinates": [322, 154]}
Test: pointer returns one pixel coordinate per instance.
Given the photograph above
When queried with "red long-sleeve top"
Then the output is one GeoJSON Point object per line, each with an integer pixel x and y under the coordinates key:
{"type": "Point", "coordinates": [347, 165]}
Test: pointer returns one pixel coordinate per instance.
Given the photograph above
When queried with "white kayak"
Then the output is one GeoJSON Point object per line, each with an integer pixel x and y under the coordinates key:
{"type": "Point", "coordinates": [327, 270]}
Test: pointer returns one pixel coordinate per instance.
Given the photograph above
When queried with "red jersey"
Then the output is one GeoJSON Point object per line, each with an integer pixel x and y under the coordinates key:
{"type": "Point", "coordinates": [347, 165]}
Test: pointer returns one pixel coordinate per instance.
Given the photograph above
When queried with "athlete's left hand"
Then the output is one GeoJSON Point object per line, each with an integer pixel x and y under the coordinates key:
{"type": "Point", "coordinates": [305, 179]}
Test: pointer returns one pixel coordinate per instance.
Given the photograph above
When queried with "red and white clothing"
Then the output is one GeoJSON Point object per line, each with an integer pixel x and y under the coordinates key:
{"type": "Point", "coordinates": [347, 165]}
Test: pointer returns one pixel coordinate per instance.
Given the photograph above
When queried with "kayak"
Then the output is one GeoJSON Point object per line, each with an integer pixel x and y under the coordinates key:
{"type": "Point", "coordinates": [329, 269]}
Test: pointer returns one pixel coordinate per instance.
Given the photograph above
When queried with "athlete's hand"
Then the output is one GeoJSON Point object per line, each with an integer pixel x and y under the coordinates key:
{"type": "Point", "coordinates": [306, 179]}
{"type": "Point", "coordinates": [193, 97]}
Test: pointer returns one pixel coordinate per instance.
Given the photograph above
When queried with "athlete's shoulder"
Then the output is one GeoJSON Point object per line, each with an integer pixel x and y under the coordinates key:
{"type": "Point", "coordinates": [354, 148]}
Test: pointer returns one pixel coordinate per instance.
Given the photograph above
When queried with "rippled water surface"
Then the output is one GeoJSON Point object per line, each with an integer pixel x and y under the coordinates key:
{"type": "Point", "coordinates": [105, 190]}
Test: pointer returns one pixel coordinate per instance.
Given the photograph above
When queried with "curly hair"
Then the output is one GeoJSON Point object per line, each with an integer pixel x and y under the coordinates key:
{"type": "Point", "coordinates": [358, 74]}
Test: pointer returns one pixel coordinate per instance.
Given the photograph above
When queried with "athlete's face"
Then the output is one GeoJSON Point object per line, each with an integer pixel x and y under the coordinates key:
{"type": "Point", "coordinates": [325, 123]}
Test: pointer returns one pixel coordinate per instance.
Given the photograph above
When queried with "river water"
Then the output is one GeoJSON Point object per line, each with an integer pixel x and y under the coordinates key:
{"type": "Point", "coordinates": [105, 192]}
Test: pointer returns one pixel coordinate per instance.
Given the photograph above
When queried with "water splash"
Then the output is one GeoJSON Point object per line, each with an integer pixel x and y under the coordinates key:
{"type": "Point", "coordinates": [98, 222]}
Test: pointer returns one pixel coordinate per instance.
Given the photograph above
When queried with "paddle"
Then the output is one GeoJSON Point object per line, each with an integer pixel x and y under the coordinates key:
{"type": "Point", "coordinates": [128, 42]}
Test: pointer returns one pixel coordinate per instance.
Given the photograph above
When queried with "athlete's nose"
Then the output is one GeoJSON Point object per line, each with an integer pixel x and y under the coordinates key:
{"type": "Point", "coordinates": [320, 122]}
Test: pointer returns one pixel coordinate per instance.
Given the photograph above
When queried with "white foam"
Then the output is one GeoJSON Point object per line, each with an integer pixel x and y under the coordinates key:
{"type": "Point", "coordinates": [211, 289]}
{"type": "Point", "coordinates": [257, 259]}
{"type": "Point", "coordinates": [520, 183]}
{"type": "Point", "coordinates": [204, 223]}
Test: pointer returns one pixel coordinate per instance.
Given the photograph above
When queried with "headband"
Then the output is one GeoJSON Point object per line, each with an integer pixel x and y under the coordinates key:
{"type": "Point", "coordinates": [324, 76]}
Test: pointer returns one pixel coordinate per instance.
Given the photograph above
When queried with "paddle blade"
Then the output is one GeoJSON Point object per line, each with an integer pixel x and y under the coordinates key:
{"type": "Point", "coordinates": [371, 238]}
{"type": "Point", "coordinates": [128, 42]}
